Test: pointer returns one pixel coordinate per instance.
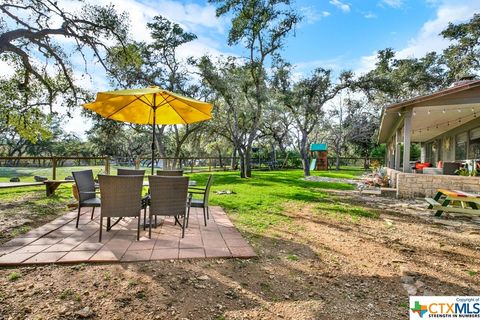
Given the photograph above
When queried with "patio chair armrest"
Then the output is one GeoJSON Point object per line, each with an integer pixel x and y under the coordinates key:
{"type": "Point", "coordinates": [196, 188]}
{"type": "Point", "coordinates": [196, 192]}
{"type": "Point", "coordinates": [88, 192]}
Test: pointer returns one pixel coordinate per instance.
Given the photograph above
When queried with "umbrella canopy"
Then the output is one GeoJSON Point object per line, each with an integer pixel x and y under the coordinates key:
{"type": "Point", "coordinates": [151, 105]}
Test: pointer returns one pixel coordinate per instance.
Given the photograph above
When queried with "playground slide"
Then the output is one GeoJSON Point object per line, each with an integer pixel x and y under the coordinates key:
{"type": "Point", "coordinates": [313, 164]}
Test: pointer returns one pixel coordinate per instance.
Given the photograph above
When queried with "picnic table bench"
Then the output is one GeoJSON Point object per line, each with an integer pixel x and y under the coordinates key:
{"type": "Point", "coordinates": [446, 200]}
{"type": "Point", "coordinates": [19, 184]}
{"type": "Point", "coordinates": [52, 185]}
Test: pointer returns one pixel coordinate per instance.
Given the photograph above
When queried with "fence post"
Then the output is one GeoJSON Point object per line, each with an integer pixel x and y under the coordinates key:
{"type": "Point", "coordinates": [54, 168]}
{"type": "Point", "coordinates": [210, 164]}
{"type": "Point", "coordinates": [107, 165]}
{"type": "Point", "coordinates": [191, 165]}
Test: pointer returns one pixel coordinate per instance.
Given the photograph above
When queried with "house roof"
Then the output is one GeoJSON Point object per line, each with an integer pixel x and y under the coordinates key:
{"type": "Point", "coordinates": [435, 113]}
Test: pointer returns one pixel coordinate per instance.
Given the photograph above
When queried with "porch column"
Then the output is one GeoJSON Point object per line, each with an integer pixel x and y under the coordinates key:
{"type": "Point", "coordinates": [397, 149]}
{"type": "Point", "coordinates": [423, 152]}
{"type": "Point", "coordinates": [387, 155]}
{"type": "Point", "coordinates": [407, 133]}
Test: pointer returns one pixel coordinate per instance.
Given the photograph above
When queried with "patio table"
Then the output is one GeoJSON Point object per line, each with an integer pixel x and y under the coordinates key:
{"type": "Point", "coordinates": [191, 183]}
{"type": "Point", "coordinates": [446, 200]}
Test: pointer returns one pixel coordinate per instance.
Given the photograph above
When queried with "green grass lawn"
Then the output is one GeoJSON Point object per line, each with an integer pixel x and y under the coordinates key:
{"type": "Point", "coordinates": [260, 202]}
{"type": "Point", "coordinates": [256, 204]}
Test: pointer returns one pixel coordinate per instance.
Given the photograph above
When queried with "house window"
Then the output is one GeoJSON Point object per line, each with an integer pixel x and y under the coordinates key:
{"type": "Point", "coordinates": [461, 146]}
{"type": "Point", "coordinates": [474, 144]}
{"type": "Point", "coordinates": [428, 152]}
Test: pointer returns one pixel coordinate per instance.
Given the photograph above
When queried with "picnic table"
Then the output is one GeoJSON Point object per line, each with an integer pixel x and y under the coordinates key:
{"type": "Point", "coordinates": [446, 200]}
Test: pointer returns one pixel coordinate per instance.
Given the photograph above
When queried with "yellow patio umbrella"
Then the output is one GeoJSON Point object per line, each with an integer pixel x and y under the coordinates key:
{"type": "Point", "coordinates": [152, 105]}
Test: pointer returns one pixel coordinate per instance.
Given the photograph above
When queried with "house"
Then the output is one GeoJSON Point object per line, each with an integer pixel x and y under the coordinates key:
{"type": "Point", "coordinates": [446, 124]}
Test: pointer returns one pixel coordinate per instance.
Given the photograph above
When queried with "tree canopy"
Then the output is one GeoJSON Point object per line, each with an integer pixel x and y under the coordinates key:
{"type": "Point", "coordinates": [260, 101]}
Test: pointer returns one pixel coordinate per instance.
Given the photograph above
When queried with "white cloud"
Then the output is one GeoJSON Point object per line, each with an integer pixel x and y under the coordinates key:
{"type": "Point", "coordinates": [369, 15]}
{"type": "Point", "coordinates": [393, 3]}
{"type": "Point", "coordinates": [428, 38]}
{"type": "Point", "coordinates": [192, 17]}
{"type": "Point", "coordinates": [341, 5]}
{"type": "Point", "coordinates": [337, 64]}
{"type": "Point", "coordinates": [195, 18]}
{"type": "Point", "coordinates": [77, 124]}
{"type": "Point", "coordinates": [311, 15]}
{"type": "Point", "coordinates": [7, 69]}
{"type": "Point", "coordinates": [366, 63]}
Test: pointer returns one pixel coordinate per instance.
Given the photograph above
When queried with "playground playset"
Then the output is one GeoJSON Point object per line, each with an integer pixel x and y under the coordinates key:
{"type": "Point", "coordinates": [319, 153]}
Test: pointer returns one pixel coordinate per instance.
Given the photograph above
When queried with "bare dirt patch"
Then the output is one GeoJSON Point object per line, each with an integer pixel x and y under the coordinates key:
{"type": "Point", "coordinates": [318, 265]}
{"type": "Point", "coordinates": [30, 210]}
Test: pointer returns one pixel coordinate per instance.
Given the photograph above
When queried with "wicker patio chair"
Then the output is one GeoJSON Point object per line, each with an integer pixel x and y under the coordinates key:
{"type": "Point", "coordinates": [135, 172]}
{"type": "Point", "coordinates": [170, 173]}
{"type": "Point", "coordinates": [168, 197]}
{"type": "Point", "coordinates": [121, 197]}
{"type": "Point", "coordinates": [86, 191]}
{"type": "Point", "coordinates": [130, 172]}
{"type": "Point", "coordinates": [202, 203]}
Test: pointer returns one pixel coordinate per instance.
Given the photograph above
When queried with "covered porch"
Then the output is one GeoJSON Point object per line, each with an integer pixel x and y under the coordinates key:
{"type": "Point", "coordinates": [445, 124]}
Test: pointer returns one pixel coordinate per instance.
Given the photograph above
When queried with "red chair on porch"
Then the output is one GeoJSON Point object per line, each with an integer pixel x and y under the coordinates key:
{"type": "Point", "coordinates": [420, 165]}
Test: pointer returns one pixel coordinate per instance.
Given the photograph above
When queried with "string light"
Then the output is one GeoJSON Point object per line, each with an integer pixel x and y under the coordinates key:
{"type": "Point", "coordinates": [443, 111]}
{"type": "Point", "coordinates": [399, 114]}
{"type": "Point", "coordinates": [414, 113]}
{"type": "Point", "coordinates": [447, 123]}
{"type": "Point", "coordinates": [459, 110]}
{"type": "Point", "coordinates": [428, 111]}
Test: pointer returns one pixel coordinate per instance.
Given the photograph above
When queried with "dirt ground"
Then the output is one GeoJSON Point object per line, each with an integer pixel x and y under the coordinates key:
{"type": "Point", "coordinates": [317, 266]}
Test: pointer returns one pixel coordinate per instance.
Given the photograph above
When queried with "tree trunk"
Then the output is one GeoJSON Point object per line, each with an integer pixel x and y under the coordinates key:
{"type": "Point", "coordinates": [248, 162]}
{"type": "Point", "coordinates": [159, 144]}
{"type": "Point", "coordinates": [176, 157]}
{"type": "Point", "coordinates": [242, 163]}
{"type": "Point", "coordinates": [337, 161]}
{"type": "Point", "coordinates": [233, 162]}
{"type": "Point", "coordinates": [220, 158]}
{"type": "Point", "coordinates": [305, 163]}
{"type": "Point", "coordinates": [304, 155]}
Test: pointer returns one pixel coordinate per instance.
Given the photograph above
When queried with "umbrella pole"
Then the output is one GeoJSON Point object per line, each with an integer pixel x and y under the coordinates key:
{"type": "Point", "coordinates": [153, 140]}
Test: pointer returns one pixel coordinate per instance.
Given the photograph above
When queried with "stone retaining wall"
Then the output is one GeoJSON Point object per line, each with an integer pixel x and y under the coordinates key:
{"type": "Point", "coordinates": [392, 175]}
{"type": "Point", "coordinates": [413, 185]}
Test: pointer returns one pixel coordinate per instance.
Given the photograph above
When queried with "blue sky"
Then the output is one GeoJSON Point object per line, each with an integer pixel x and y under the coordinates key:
{"type": "Point", "coordinates": [342, 34]}
{"type": "Point", "coordinates": [335, 34]}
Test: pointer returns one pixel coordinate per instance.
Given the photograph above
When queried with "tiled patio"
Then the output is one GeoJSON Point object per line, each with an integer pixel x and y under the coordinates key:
{"type": "Point", "coordinates": [60, 242]}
